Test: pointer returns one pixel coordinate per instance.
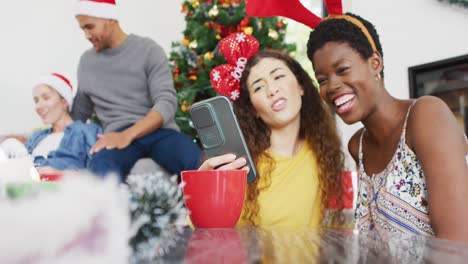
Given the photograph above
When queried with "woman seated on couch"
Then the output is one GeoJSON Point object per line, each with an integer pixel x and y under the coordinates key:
{"type": "Point", "coordinates": [63, 146]}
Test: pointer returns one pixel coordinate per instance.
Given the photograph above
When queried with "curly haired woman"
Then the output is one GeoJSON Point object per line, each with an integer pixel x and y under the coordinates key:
{"type": "Point", "coordinates": [293, 141]}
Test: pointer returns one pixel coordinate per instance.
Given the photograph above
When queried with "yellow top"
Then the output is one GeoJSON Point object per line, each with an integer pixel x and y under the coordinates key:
{"type": "Point", "coordinates": [293, 198]}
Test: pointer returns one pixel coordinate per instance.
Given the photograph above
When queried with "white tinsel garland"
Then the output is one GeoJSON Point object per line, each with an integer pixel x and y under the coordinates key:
{"type": "Point", "coordinates": [462, 3]}
{"type": "Point", "coordinates": [81, 219]}
{"type": "Point", "coordinates": [75, 216]}
{"type": "Point", "coordinates": [157, 213]}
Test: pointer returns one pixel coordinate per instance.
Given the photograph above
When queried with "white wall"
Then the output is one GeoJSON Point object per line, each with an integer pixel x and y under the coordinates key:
{"type": "Point", "coordinates": [411, 32]}
{"type": "Point", "coordinates": [39, 37]}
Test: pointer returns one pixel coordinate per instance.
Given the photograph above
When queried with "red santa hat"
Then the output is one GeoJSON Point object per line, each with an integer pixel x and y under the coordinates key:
{"type": "Point", "coordinates": [97, 8]}
{"type": "Point", "coordinates": [60, 84]}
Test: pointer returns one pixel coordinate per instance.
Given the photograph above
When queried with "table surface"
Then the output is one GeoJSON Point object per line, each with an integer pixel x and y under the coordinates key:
{"type": "Point", "coordinates": [321, 245]}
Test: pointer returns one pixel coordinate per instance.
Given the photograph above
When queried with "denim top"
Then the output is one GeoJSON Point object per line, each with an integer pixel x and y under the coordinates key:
{"type": "Point", "coordinates": [73, 151]}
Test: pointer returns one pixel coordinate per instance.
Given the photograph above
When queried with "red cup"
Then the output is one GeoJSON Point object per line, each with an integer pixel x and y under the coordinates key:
{"type": "Point", "coordinates": [214, 197]}
{"type": "Point", "coordinates": [53, 176]}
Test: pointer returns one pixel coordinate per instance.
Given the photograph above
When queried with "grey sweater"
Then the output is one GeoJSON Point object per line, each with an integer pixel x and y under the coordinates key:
{"type": "Point", "coordinates": [123, 84]}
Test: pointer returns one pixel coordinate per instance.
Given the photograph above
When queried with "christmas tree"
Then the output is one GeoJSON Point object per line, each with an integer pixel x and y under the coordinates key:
{"type": "Point", "coordinates": [208, 21]}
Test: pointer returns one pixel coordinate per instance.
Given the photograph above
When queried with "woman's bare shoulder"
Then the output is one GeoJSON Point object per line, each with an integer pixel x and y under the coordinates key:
{"type": "Point", "coordinates": [430, 118]}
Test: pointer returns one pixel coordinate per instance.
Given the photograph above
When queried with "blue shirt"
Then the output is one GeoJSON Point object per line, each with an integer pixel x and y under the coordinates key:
{"type": "Point", "coordinates": [73, 151]}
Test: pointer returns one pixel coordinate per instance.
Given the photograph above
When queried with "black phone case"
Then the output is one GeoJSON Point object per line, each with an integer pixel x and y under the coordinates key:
{"type": "Point", "coordinates": [219, 131]}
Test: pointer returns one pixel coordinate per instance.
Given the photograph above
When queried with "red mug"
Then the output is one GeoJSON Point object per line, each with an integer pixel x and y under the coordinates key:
{"type": "Point", "coordinates": [53, 176]}
{"type": "Point", "coordinates": [214, 197]}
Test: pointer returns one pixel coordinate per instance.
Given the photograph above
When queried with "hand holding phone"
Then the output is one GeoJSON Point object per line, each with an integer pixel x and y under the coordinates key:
{"type": "Point", "coordinates": [225, 162]}
{"type": "Point", "coordinates": [219, 132]}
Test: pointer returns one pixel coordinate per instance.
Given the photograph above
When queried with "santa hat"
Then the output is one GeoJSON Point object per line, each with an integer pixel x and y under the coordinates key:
{"type": "Point", "coordinates": [60, 84]}
{"type": "Point", "coordinates": [97, 8]}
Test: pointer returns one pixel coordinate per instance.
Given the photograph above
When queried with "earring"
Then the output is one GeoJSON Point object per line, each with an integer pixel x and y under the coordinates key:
{"type": "Point", "coordinates": [378, 77]}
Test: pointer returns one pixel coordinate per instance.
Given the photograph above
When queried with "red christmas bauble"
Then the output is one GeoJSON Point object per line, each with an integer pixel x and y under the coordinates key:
{"type": "Point", "coordinates": [279, 25]}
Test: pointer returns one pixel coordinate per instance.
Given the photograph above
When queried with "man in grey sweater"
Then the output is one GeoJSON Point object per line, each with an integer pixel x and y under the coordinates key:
{"type": "Point", "coordinates": [127, 81]}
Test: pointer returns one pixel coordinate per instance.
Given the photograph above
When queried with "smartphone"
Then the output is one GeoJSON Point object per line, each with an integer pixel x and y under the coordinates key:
{"type": "Point", "coordinates": [219, 131]}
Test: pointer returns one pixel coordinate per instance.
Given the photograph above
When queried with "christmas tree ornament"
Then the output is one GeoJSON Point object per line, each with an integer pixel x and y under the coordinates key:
{"type": "Point", "coordinates": [231, 10]}
{"type": "Point", "coordinates": [184, 106]}
{"type": "Point", "coordinates": [208, 56]}
{"type": "Point", "coordinates": [244, 22]}
{"type": "Point", "coordinates": [191, 57]}
{"type": "Point", "coordinates": [194, 3]}
{"type": "Point", "coordinates": [193, 44]}
{"type": "Point", "coordinates": [273, 34]}
{"type": "Point", "coordinates": [183, 8]}
{"type": "Point", "coordinates": [193, 74]}
{"type": "Point", "coordinates": [213, 12]}
{"type": "Point", "coordinates": [248, 30]}
{"type": "Point", "coordinates": [186, 41]}
{"type": "Point", "coordinates": [216, 27]}
{"type": "Point", "coordinates": [279, 25]}
{"type": "Point", "coordinates": [260, 23]}
{"type": "Point", "coordinates": [218, 36]}
{"type": "Point", "coordinates": [176, 72]}
{"type": "Point", "coordinates": [235, 3]}
{"type": "Point", "coordinates": [200, 61]}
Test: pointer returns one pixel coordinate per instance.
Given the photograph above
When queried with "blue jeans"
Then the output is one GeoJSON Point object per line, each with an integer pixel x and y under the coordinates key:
{"type": "Point", "coordinates": [171, 149]}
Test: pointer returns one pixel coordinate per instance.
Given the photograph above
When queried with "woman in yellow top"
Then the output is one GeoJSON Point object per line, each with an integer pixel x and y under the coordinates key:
{"type": "Point", "coordinates": [293, 142]}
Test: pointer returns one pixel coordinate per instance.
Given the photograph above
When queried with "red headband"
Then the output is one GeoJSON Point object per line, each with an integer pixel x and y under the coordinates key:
{"type": "Point", "coordinates": [237, 48]}
{"type": "Point", "coordinates": [294, 10]}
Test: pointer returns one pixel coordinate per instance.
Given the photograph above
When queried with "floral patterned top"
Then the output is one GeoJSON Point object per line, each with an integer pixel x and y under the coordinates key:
{"type": "Point", "coordinates": [394, 200]}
